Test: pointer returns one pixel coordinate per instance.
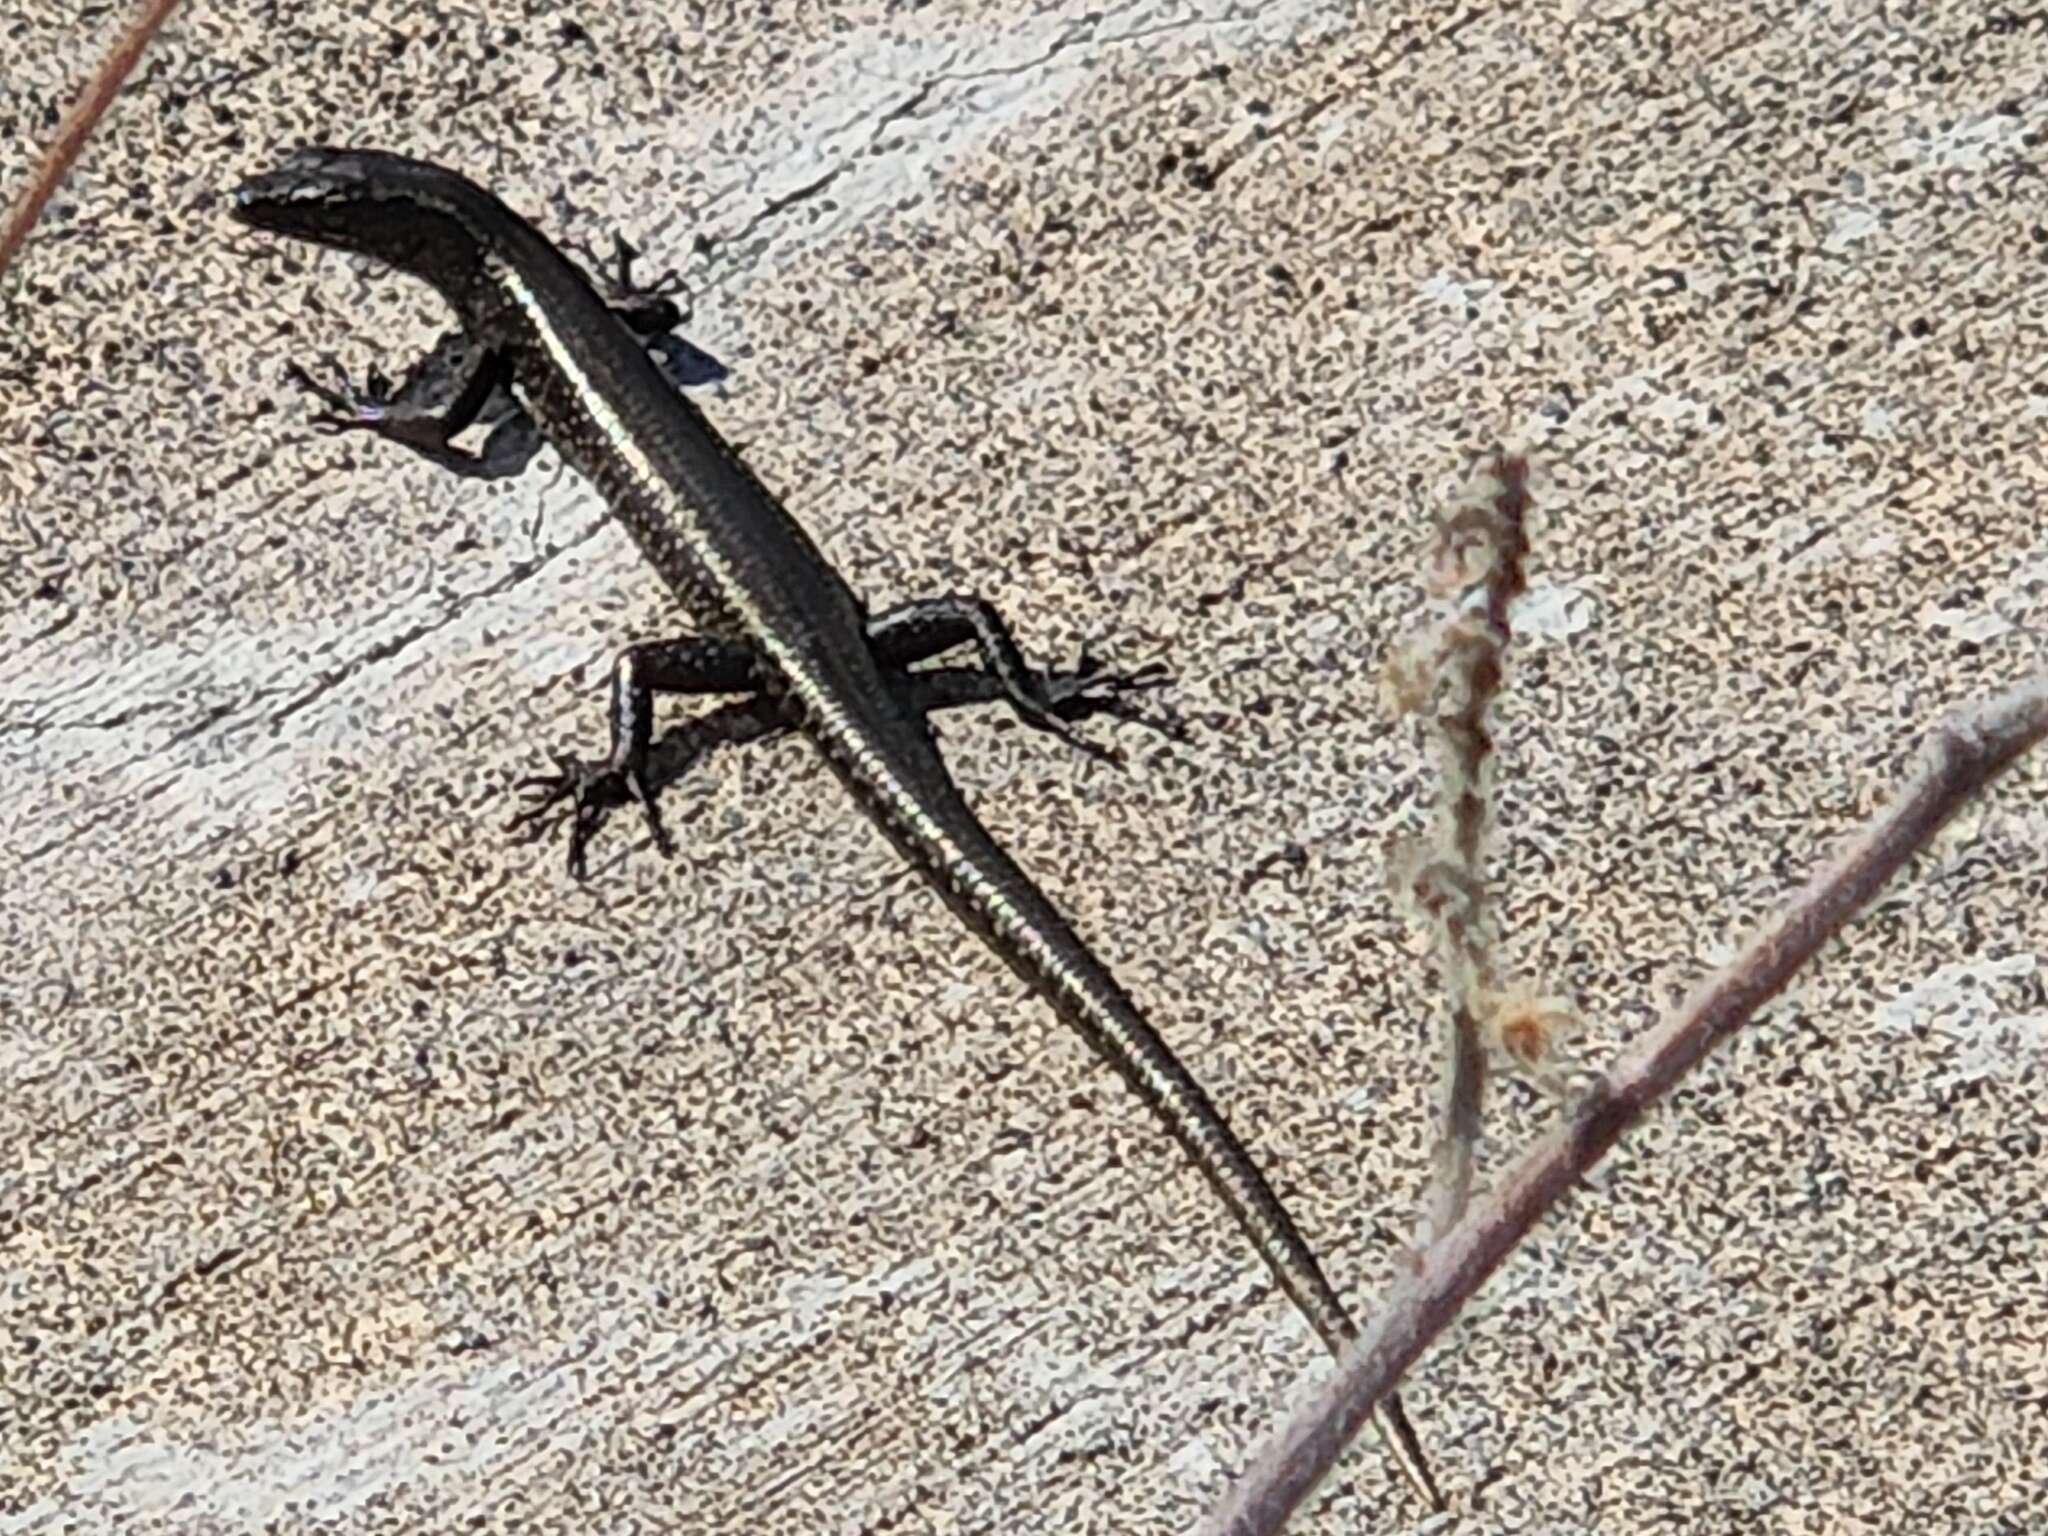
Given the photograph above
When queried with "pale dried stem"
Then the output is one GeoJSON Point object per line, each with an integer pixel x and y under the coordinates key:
{"type": "Point", "coordinates": [1472, 658]}
{"type": "Point", "coordinates": [1962, 754]}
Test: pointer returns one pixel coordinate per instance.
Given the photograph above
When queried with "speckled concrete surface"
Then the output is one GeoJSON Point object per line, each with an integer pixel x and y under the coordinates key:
{"type": "Point", "coordinates": [357, 1170]}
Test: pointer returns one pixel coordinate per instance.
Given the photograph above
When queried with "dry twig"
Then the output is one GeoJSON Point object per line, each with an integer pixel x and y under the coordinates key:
{"type": "Point", "coordinates": [1963, 753]}
{"type": "Point", "coordinates": [78, 124]}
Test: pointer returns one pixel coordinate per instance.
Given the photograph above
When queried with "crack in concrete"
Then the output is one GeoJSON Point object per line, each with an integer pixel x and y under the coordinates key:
{"type": "Point", "coordinates": [1076, 35]}
{"type": "Point", "coordinates": [394, 645]}
{"type": "Point", "coordinates": [788, 200]}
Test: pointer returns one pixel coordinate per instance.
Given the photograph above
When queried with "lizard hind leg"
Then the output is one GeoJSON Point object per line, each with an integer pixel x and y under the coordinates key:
{"type": "Point", "coordinates": [593, 787]}
{"type": "Point", "coordinates": [918, 630]}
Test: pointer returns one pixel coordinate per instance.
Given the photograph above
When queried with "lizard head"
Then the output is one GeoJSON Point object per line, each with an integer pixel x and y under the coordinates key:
{"type": "Point", "coordinates": [403, 212]}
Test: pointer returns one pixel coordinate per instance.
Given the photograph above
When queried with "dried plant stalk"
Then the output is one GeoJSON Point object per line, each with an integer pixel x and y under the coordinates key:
{"type": "Point", "coordinates": [1963, 753]}
{"type": "Point", "coordinates": [1479, 561]}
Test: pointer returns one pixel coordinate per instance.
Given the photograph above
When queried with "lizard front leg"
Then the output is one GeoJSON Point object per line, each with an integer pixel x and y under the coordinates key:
{"type": "Point", "coordinates": [459, 383]}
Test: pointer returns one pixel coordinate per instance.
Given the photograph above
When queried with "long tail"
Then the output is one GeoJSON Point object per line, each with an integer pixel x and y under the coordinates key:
{"type": "Point", "coordinates": [914, 802]}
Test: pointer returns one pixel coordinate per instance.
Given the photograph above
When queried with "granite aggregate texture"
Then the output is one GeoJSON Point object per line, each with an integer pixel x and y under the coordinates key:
{"type": "Point", "coordinates": [360, 1172]}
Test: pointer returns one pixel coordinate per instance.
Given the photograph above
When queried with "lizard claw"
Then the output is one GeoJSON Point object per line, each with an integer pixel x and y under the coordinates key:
{"type": "Point", "coordinates": [666, 286]}
{"type": "Point", "coordinates": [1092, 689]}
{"type": "Point", "coordinates": [349, 409]}
{"type": "Point", "coordinates": [1058, 727]}
{"type": "Point", "coordinates": [592, 789]}
{"type": "Point", "coordinates": [621, 287]}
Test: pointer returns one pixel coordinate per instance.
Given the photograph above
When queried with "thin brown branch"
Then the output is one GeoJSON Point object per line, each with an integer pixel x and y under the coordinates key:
{"type": "Point", "coordinates": [1963, 753]}
{"type": "Point", "coordinates": [77, 125]}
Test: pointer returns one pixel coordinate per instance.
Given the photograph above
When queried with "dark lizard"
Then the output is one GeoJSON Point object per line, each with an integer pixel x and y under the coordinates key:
{"type": "Point", "coordinates": [430, 407]}
{"type": "Point", "coordinates": [773, 617]}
